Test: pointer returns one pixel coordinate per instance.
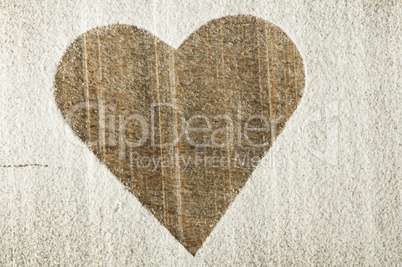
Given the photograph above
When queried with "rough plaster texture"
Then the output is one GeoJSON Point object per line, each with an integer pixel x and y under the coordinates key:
{"type": "Point", "coordinates": [331, 197]}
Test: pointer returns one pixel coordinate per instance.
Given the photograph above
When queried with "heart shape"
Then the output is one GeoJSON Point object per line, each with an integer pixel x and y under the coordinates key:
{"type": "Point", "coordinates": [182, 129]}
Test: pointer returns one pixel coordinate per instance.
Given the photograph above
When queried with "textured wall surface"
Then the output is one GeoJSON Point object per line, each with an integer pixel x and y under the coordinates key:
{"type": "Point", "coordinates": [330, 192]}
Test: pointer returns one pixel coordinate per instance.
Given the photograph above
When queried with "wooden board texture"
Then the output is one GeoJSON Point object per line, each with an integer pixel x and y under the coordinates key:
{"type": "Point", "coordinates": [230, 80]}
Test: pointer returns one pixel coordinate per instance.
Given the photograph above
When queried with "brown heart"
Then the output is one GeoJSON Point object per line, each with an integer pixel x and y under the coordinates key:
{"type": "Point", "coordinates": [182, 129]}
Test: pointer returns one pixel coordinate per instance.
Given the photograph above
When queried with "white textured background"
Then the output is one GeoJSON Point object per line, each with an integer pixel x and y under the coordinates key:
{"type": "Point", "coordinates": [340, 206]}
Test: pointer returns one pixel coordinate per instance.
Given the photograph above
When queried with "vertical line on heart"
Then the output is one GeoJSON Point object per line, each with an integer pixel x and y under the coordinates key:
{"type": "Point", "coordinates": [87, 82]}
{"type": "Point", "coordinates": [172, 76]}
{"type": "Point", "coordinates": [269, 83]}
{"type": "Point", "coordinates": [160, 128]}
{"type": "Point", "coordinates": [225, 92]}
{"type": "Point", "coordinates": [100, 99]}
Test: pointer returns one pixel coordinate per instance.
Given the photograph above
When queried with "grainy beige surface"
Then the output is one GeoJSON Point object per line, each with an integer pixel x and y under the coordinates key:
{"type": "Point", "coordinates": [331, 195]}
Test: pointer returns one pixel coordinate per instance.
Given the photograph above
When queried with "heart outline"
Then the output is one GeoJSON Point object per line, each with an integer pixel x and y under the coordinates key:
{"type": "Point", "coordinates": [68, 82]}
